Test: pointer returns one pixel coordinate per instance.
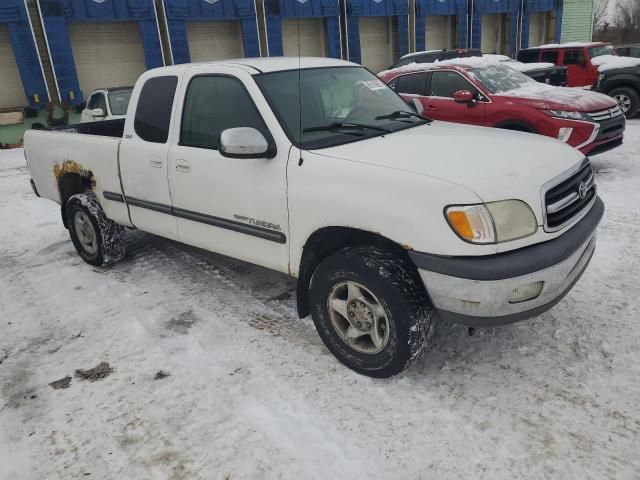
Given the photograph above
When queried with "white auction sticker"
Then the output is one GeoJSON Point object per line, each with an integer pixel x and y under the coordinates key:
{"type": "Point", "coordinates": [373, 85]}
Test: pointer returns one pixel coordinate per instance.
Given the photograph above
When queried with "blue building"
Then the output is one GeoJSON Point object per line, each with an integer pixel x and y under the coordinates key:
{"type": "Point", "coordinates": [541, 22]}
{"type": "Point", "coordinates": [440, 24]}
{"type": "Point", "coordinates": [377, 31]}
{"type": "Point", "coordinates": [206, 30]}
{"type": "Point", "coordinates": [303, 27]}
{"type": "Point", "coordinates": [494, 26]}
{"type": "Point", "coordinates": [21, 75]}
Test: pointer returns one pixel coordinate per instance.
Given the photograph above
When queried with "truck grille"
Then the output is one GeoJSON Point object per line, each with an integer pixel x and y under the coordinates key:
{"type": "Point", "coordinates": [605, 114]}
{"type": "Point", "coordinates": [569, 198]}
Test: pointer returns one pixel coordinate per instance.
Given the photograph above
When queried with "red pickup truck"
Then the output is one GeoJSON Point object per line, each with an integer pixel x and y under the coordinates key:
{"type": "Point", "coordinates": [575, 56]}
{"type": "Point", "coordinates": [474, 91]}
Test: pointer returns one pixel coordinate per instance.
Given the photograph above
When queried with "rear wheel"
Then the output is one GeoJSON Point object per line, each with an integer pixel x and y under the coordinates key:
{"type": "Point", "coordinates": [370, 310]}
{"type": "Point", "coordinates": [628, 100]}
{"type": "Point", "coordinates": [98, 240]}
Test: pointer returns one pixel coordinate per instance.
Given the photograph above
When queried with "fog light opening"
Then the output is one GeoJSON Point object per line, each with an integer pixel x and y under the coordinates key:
{"type": "Point", "coordinates": [564, 134]}
{"type": "Point", "coordinates": [526, 292]}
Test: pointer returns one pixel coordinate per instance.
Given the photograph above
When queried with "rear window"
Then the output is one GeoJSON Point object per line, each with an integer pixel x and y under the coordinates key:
{"type": "Point", "coordinates": [413, 83]}
{"type": "Point", "coordinates": [549, 56]}
{"type": "Point", "coordinates": [528, 56]}
{"type": "Point", "coordinates": [153, 113]}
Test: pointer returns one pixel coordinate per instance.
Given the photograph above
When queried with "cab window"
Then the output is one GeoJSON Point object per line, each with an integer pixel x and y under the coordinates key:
{"type": "Point", "coordinates": [97, 100]}
{"type": "Point", "coordinates": [214, 104]}
{"type": "Point", "coordinates": [445, 84]}
{"type": "Point", "coordinates": [549, 56]}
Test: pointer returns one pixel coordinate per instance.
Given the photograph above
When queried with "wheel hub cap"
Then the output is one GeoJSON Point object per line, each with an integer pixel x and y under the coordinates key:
{"type": "Point", "coordinates": [358, 317]}
{"type": "Point", "coordinates": [85, 232]}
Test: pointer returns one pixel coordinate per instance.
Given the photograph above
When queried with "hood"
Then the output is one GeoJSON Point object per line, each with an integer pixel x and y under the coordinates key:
{"type": "Point", "coordinates": [494, 164]}
{"type": "Point", "coordinates": [547, 97]}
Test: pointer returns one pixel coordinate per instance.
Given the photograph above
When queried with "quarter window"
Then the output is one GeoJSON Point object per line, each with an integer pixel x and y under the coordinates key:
{"type": "Point", "coordinates": [214, 104]}
{"type": "Point", "coordinates": [412, 84]}
{"type": "Point", "coordinates": [153, 113]}
{"type": "Point", "coordinates": [445, 84]}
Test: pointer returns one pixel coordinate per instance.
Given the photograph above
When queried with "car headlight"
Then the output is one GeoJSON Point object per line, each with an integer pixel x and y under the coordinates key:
{"type": "Point", "coordinates": [566, 114]}
{"type": "Point", "coordinates": [493, 222]}
{"type": "Point", "coordinates": [600, 78]}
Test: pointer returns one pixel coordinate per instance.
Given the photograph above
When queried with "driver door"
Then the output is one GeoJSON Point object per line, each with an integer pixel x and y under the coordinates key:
{"type": "Point", "coordinates": [439, 102]}
{"type": "Point", "coordinates": [234, 206]}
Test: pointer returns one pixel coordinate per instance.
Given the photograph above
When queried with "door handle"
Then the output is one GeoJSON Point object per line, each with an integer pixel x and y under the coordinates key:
{"type": "Point", "coordinates": [430, 108]}
{"type": "Point", "coordinates": [155, 161]}
{"type": "Point", "coordinates": [183, 165]}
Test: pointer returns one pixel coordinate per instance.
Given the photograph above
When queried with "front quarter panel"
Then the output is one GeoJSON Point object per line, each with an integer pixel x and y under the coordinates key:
{"type": "Point", "coordinates": [404, 207]}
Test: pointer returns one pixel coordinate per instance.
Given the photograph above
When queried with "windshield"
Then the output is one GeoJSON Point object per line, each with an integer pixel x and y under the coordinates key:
{"type": "Point", "coordinates": [602, 50]}
{"type": "Point", "coordinates": [339, 105]}
{"type": "Point", "coordinates": [119, 101]}
{"type": "Point", "coordinates": [500, 78]}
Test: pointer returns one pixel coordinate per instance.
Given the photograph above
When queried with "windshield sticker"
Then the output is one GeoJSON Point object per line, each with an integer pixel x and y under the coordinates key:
{"type": "Point", "coordinates": [373, 85]}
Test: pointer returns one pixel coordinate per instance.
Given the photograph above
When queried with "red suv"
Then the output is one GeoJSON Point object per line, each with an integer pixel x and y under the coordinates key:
{"type": "Point", "coordinates": [575, 56]}
{"type": "Point", "coordinates": [494, 95]}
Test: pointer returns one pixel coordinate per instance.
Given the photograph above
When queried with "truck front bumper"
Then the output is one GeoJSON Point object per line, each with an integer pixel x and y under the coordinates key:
{"type": "Point", "coordinates": [487, 290]}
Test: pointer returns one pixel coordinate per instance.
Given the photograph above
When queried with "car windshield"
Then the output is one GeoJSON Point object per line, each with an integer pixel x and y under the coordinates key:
{"type": "Point", "coordinates": [323, 107]}
{"type": "Point", "coordinates": [602, 50]}
{"type": "Point", "coordinates": [119, 101]}
{"type": "Point", "coordinates": [500, 78]}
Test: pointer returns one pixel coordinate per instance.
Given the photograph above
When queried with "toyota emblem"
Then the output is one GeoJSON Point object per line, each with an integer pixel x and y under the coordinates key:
{"type": "Point", "coordinates": [583, 189]}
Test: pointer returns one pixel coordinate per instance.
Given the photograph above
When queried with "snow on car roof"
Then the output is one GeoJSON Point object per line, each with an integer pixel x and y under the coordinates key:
{"type": "Point", "coordinates": [469, 62]}
{"type": "Point", "coordinates": [277, 64]}
{"type": "Point", "coordinates": [566, 45]}
{"type": "Point", "coordinates": [611, 62]}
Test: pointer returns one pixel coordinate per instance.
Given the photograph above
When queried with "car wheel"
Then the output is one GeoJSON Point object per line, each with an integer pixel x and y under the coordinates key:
{"type": "Point", "coordinates": [98, 240]}
{"type": "Point", "coordinates": [371, 311]}
{"type": "Point", "coordinates": [628, 100]}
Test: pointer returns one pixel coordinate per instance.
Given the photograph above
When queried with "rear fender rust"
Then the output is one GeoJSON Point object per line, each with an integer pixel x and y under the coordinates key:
{"type": "Point", "coordinates": [71, 167]}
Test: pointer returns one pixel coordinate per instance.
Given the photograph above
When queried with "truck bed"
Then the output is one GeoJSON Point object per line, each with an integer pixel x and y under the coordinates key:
{"type": "Point", "coordinates": [105, 128]}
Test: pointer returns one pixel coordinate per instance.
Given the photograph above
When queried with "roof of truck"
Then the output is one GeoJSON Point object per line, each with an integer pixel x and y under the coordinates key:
{"type": "Point", "coordinates": [277, 64]}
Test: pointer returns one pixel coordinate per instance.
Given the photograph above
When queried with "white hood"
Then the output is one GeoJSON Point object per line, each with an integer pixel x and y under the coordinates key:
{"type": "Point", "coordinates": [493, 163]}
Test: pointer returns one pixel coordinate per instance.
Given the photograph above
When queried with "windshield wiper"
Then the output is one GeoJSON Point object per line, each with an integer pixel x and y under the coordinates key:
{"type": "Point", "coordinates": [345, 126]}
{"type": "Point", "coordinates": [401, 114]}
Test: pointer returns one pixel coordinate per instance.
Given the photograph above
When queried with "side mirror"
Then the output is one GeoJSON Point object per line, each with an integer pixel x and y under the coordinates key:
{"type": "Point", "coordinates": [97, 112]}
{"type": "Point", "coordinates": [245, 142]}
{"type": "Point", "coordinates": [463, 96]}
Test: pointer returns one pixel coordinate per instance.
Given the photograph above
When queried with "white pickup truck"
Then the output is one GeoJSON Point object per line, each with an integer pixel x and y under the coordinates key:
{"type": "Point", "coordinates": [315, 168]}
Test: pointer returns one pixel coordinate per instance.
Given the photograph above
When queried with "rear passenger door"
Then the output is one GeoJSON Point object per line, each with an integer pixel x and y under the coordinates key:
{"type": "Point", "coordinates": [234, 206]}
{"type": "Point", "coordinates": [143, 157]}
{"type": "Point", "coordinates": [440, 105]}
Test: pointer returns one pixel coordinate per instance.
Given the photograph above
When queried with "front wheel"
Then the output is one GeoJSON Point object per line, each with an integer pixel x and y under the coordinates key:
{"type": "Point", "coordinates": [98, 240]}
{"type": "Point", "coordinates": [628, 100]}
{"type": "Point", "coordinates": [370, 310]}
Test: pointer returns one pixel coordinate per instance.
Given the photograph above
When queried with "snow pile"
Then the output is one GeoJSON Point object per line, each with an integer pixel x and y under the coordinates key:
{"type": "Point", "coordinates": [611, 62]}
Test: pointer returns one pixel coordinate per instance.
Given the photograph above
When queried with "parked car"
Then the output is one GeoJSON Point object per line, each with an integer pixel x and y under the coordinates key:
{"type": "Point", "coordinates": [106, 104]}
{"type": "Point", "coordinates": [581, 72]}
{"type": "Point", "coordinates": [541, 72]}
{"type": "Point", "coordinates": [430, 56]}
{"type": "Point", "coordinates": [619, 77]}
{"type": "Point", "coordinates": [490, 94]}
{"type": "Point", "coordinates": [315, 168]}
{"type": "Point", "coordinates": [632, 50]}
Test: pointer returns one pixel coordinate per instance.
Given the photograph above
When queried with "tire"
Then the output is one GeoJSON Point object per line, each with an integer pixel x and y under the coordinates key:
{"type": "Point", "coordinates": [98, 240]}
{"type": "Point", "coordinates": [628, 100]}
{"type": "Point", "coordinates": [387, 286]}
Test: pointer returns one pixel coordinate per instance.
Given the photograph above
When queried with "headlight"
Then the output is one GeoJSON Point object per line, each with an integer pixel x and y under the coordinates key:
{"type": "Point", "coordinates": [600, 78]}
{"type": "Point", "coordinates": [493, 222]}
{"type": "Point", "coordinates": [565, 114]}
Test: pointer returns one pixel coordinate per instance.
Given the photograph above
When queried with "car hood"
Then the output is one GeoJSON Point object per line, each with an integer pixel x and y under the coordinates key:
{"type": "Point", "coordinates": [547, 97]}
{"type": "Point", "coordinates": [494, 164]}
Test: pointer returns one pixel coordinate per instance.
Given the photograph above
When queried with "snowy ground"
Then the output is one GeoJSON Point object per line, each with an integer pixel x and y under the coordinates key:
{"type": "Point", "coordinates": [252, 393]}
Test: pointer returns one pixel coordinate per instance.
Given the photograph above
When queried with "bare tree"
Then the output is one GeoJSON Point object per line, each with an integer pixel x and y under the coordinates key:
{"type": "Point", "coordinates": [600, 13]}
{"type": "Point", "coordinates": [628, 15]}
